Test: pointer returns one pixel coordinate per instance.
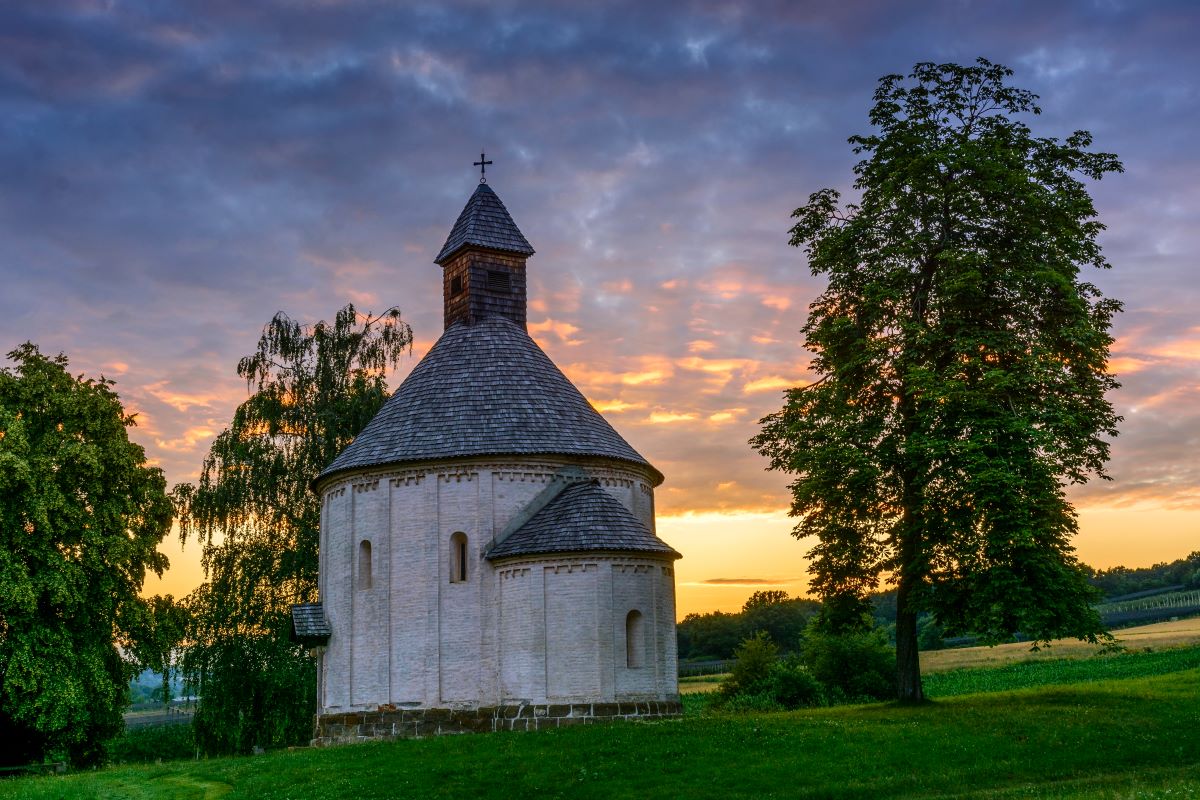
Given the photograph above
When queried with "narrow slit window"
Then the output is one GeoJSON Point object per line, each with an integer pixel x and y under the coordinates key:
{"type": "Point", "coordinates": [458, 557]}
{"type": "Point", "coordinates": [456, 285]}
{"type": "Point", "coordinates": [635, 639]}
{"type": "Point", "coordinates": [498, 281]}
{"type": "Point", "coordinates": [364, 564]}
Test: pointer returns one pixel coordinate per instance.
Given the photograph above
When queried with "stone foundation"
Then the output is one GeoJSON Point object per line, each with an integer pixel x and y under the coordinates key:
{"type": "Point", "coordinates": [386, 723]}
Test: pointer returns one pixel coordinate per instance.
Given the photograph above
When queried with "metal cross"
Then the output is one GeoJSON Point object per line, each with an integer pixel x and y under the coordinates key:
{"type": "Point", "coordinates": [482, 163]}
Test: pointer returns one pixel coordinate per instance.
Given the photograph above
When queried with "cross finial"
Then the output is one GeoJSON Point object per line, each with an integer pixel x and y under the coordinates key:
{"type": "Point", "coordinates": [482, 163]}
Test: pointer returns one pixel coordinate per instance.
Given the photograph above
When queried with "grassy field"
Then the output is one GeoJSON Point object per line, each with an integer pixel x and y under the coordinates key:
{"type": "Point", "coordinates": [1133, 737]}
{"type": "Point", "coordinates": [1159, 636]}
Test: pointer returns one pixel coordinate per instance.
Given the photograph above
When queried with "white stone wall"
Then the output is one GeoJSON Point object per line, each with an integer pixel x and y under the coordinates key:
{"type": "Point", "coordinates": [414, 560]}
{"type": "Point", "coordinates": [370, 651]}
{"type": "Point", "coordinates": [550, 630]}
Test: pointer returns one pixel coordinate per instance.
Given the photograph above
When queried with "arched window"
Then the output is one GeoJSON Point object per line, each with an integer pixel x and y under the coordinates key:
{"type": "Point", "coordinates": [458, 557]}
{"type": "Point", "coordinates": [364, 564]}
{"type": "Point", "coordinates": [635, 639]}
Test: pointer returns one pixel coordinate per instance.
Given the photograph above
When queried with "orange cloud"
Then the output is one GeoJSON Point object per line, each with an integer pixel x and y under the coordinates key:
{"type": "Point", "coordinates": [188, 441]}
{"type": "Point", "coordinates": [667, 417]}
{"type": "Point", "coordinates": [649, 370]}
{"type": "Point", "coordinates": [1127, 365]}
{"type": "Point", "coordinates": [776, 302]}
{"type": "Point", "coordinates": [714, 365]}
{"type": "Point", "coordinates": [615, 406]}
{"type": "Point", "coordinates": [700, 346]}
{"type": "Point", "coordinates": [728, 415]}
{"type": "Point", "coordinates": [768, 384]}
{"type": "Point", "coordinates": [563, 330]}
{"type": "Point", "coordinates": [180, 401]}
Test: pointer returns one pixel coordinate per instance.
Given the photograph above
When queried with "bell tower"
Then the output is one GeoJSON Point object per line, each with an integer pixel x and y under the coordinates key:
{"type": "Point", "coordinates": [483, 262]}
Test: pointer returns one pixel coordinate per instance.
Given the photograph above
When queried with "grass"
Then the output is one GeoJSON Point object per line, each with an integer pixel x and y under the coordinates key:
{"type": "Point", "coordinates": [1133, 736]}
{"type": "Point", "coordinates": [1030, 674]}
{"type": "Point", "coordinates": [1177, 633]}
{"type": "Point", "coordinates": [1159, 636]}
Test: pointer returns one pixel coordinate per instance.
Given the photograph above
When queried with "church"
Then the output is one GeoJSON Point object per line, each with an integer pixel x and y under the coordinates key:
{"type": "Point", "coordinates": [488, 559]}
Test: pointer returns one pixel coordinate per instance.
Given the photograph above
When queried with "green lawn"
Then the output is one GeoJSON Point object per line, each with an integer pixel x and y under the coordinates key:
{"type": "Point", "coordinates": [1124, 738]}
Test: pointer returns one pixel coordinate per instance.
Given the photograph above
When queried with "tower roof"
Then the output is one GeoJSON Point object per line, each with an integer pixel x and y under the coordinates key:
{"type": "Point", "coordinates": [485, 389]}
{"type": "Point", "coordinates": [484, 222]}
{"type": "Point", "coordinates": [581, 518]}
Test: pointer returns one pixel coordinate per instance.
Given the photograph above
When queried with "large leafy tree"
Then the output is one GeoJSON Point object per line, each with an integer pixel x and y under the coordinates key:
{"type": "Point", "coordinates": [314, 388]}
{"type": "Point", "coordinates": [962, 366]}
{"type": "Point", "coordinates": [81, 514]}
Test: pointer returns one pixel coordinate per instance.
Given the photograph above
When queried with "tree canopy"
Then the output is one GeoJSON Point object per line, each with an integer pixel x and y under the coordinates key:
{"type": "Point", "coordinates": [314, 388]}
{"type": "Point", "coordinates": [81, 514]}
{"type": "Point", "coordinates": [961, 362]}
{"type": "Point", "coordinates": [716, 635]}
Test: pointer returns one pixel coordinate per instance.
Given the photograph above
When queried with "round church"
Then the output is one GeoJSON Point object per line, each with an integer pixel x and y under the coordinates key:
{"type": "Point", "coordinates": [488, 558]}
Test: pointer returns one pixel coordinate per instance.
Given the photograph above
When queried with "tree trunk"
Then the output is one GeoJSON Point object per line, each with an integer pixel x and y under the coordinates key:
{"type": "Point", "coordinates": [908, 662]}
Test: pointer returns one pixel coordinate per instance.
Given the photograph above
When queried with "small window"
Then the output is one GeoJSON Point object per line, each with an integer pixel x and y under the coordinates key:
{"type": "Point", "coordinates": [458, 557]}
{"type": "Point", "coordinates": [456, 285]}
{"type": "Point", "coordinates": [364, 564]}
{"type": "Point", "coordinates": [498, 281]}
{"type": "Point", "coordinates": [635, 639]}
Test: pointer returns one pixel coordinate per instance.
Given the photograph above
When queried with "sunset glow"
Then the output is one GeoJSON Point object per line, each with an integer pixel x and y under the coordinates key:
{"type": "Point", "coordinates": [186, 174]}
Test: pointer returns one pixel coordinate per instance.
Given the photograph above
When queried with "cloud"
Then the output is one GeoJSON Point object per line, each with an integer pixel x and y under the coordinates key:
{"type": "Point", "coordinates": [749, 581]}
{"type": "Point", "coordinates": [176, 173]}
{"type": "Point", "coordinates": [770, 383]}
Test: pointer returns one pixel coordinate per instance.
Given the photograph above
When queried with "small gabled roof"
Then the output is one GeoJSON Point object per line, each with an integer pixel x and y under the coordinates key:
{"type": "Point", "coordinates": [485, 222]}
{"type": "Point", "coordinates": [583, 517]}
{"type": "Point", "coordinates": [309, 626]}
{"type": "Point", "coordinates": [483, 390]}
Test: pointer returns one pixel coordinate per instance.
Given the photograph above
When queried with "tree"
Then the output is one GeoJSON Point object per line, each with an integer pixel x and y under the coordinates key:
{"type": "Point", "coordinates": [783, 618]}
{"type": "Point", "coordinates": [961, 364]}
{"type": "Point", "coordinates": [315, 388]}
{"type": "Point", "coordinates": [159, 626]}
{"type": "Point", "coordinates": [81, 514]}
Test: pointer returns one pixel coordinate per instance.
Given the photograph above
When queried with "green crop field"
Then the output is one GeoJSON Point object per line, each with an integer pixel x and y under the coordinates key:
{"type": "Point", "coordinates": [1110, 727]}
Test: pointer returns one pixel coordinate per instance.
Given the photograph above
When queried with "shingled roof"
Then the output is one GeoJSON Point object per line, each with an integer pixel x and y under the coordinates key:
{"type": "Point", "coordinates": [582, 518]}
{"type": "Point", "coordinates": [309, 626]}
{"type": "Point", "coordinates": [484, 222]}
{"type": "Point", "coordinates": [484, 389]}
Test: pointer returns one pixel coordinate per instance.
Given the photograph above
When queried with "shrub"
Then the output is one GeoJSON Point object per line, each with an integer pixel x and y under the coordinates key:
{"type": "Point", "coordinates": [752, 667]}
{"type": "Point", "coordinates": [929, 634]}
{"type": "Point", "coordinates": [761, 681]}
{"type": "Point", "coordinates": [855, 665]}
{"type": "Point", "coordinates": [793, 686]}
{"type": "Point", "coordinates": [152, 743]}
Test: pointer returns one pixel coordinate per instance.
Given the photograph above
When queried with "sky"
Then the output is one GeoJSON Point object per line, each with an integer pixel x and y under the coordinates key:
{"type": "Point", "coordinates": [174, 173]}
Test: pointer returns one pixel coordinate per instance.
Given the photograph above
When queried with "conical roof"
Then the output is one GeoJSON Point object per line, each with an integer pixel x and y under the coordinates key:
{"type": "Point", "coordinates": [582, 518]}
{"type": "Point", "coordinates": [484, 389]}
{"type": "Point", "coordinates": [484, 222]}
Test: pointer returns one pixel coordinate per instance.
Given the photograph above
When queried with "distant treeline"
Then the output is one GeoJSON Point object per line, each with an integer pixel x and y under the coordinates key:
{"type": "Point", "coordinates": [1118, 582]}
{"type": "Point", "coordinates": [716, 635]}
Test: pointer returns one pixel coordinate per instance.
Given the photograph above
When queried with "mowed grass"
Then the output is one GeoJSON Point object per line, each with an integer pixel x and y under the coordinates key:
{"type": "Point", "coordinates": [1125, 738]}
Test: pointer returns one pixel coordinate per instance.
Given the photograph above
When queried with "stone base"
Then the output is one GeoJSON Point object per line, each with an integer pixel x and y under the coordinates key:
{"type": "Point", "coordinates": [387, 723]}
